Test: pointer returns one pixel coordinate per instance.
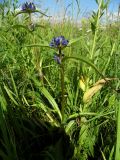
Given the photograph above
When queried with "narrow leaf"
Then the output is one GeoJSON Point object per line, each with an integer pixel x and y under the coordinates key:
{"type": "Point", "coordinates": [69, 126]}
{"type": "Point", "coordinates": [96, 87]}
{"type": "Point", "coordinates": [22, 12]}
{"type": "Point", "coordinates": [10, 94]}
{"type": "Point", "coordinates": [117, 154]}
{"type": "Point", "coordinates": [51, 100]}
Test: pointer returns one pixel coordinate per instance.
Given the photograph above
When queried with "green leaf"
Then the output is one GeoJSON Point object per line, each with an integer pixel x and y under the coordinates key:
{"type": "Point", "coordinates": [82, 59]}
{"type": "Point", "coordinates": [3, 102]}
{"type": "Point", "coordinates": [97, 1]}
{"type": "Point", "coordinates": [103, 155]}
{"type": "Point", "coordinates": [30, 11]}
{"type": "Point", "coordinates": [69, 126]}
{"type": "Point", "coordinates": [47, 112]}
{"type": "Point", "coordinates": [72, 41]}
{"type": "Point", "coordinates": [112, 153]}
{"type": "Point", "coordinates": [93, 27]}
{"type": "Point", "coordinates": [14, 85]}
{"type": "Point", "coordinates": [51, 100]}
{"type": "Point", "coordinates": [117, 154]}
{"type": "Point", "coordinates": [22, 26]}
{"type": "Point", "coordinates": [44, 44]}
{"type": "Point", "coordinates": [10, 94]}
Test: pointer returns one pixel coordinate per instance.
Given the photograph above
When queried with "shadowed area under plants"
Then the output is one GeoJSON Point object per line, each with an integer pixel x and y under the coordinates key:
{"type": "Point", "coordinates": [37, 139]}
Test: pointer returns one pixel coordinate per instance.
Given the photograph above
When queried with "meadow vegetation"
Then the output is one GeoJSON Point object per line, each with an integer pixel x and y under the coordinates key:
{"type": "Point", "coordinates": [59, 96]}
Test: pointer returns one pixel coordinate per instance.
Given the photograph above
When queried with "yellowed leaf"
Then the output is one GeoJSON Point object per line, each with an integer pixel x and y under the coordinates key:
{"type": "Point", "coordinates": [82, 82]}
{"type": "Point", "coordinates": [82, 85]}
{"type": "Point", "coordinates": [96, 87]}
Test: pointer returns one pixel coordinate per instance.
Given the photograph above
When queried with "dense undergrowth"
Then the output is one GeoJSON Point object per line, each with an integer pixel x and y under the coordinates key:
{"type": "Point", "coordinates": [59, 103]}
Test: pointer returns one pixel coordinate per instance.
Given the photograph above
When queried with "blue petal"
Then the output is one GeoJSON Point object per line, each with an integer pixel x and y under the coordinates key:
{"type": "Point", "coordinates": [52, 44]}
{"type": "Point", "coordinates": [28, 6]}
{"type": "Point", "coordinates": [57, 59]}
{"type": "Point", "coordinates": [65, 42]}
{"type": "Point", "coordinates": [24, 7]}
{"type": "Point", "coordinates": [59, 42]}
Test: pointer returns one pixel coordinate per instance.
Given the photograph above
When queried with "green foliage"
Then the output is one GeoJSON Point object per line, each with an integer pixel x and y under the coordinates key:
{"type": "Point", "coordinates": [42, 112]}
{"type": "Point", "coordinates": [117, 155]}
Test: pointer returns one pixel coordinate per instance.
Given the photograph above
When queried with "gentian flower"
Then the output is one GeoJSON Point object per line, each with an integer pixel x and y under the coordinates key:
{"type": "Point", "coordinates": [28, 7]}
{"type": "Point", "coordinates": [58, 58]}
{"type": "Point", "coordinates": [59, 42]}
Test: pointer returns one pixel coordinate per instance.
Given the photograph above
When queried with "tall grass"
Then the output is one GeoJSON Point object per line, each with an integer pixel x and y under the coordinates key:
{"type": "Point", "coordinates": [59, 111]}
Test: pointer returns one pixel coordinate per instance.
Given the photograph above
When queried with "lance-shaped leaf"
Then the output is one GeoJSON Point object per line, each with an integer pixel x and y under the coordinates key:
{"type": "Point", "coordinates": [30, 11]}
{"type": "Point", "coordinates": [96, 87]}
{"type": "Point", "coordinates": [49, 97]}
{"type": "Point", "coordinates": [42, 44]}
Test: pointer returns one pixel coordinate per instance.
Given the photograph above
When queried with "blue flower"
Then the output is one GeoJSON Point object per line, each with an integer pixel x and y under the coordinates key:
{"type": "Point", "coordinates": [59, 42]}
{"type": "Point", "coordinates": [58, 58]}
{"type": "Point", "coordinates": [28, 7]}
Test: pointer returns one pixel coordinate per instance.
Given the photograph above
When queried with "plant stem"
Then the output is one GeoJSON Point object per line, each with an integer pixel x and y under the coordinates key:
{"type": "Point", "coordinates": [96, 30]}
{"type": "Point", "coordinates": [62, 86]}
{"type": "Point", "coordinates": [117, 154]}
{"type": "Point", "coordinates": [62, 90]}
{"type": "Point", "coordinates": [30, 18]}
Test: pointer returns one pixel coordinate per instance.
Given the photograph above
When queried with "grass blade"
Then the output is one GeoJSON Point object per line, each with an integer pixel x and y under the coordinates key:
{"type": "Point", "coordinates": [51, 100]}
{"type": "Point", "coordinates": [117, 154]}
{"type": "Point", "coordinates": [10, 94]}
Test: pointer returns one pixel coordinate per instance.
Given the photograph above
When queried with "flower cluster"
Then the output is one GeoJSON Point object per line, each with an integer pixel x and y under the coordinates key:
{"type": "Point", "coordinates": [28, 7]}
{"type": "Point", "coordinates": [59, 42]}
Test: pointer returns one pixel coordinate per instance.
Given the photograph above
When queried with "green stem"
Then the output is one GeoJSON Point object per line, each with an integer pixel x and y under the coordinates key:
{"type": "Point", "coordinates": [62, 86]}
{"type": "Point", "coordinates": [62, 90]}
{"type": "Point", "coordinates": [30, 19]}
{"type": "Point", "coordinates": [96, 31]}
{"type": "Point", "coordinates": [117, 154]}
